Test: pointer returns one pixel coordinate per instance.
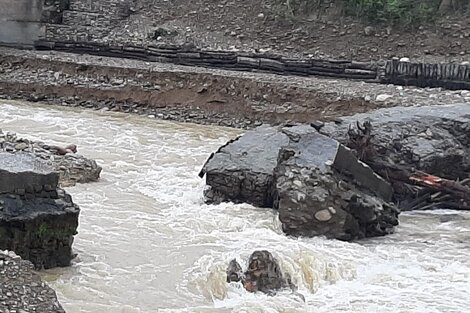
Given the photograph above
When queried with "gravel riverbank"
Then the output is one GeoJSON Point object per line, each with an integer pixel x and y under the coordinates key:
{"type": "Point", "coordinates": [200, 95]}
{"type": "Point", "coordinates": [21, 290]}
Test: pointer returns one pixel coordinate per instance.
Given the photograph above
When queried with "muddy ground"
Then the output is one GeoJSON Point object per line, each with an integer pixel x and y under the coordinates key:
{"type": "Point", "coordinates": [191, 94]}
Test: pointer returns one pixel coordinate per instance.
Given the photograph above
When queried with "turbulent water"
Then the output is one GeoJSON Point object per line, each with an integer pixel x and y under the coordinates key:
{"type": "Point", "coordinates": [148, 243]}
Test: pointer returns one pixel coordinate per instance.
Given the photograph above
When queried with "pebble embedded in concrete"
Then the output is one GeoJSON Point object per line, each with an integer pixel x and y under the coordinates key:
{"type": "Point", "coordinates": [323, 215]}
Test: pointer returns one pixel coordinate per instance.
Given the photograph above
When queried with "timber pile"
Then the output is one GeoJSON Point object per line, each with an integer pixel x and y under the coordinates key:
{"type": "Point", "coordinates": [449, 76]}
{"type": "Point", "coordinates": [420, 190]}
{"type": "Point", "coordinates": [440, 193]}
{"type": "Point", "coordinates": [230, 60]}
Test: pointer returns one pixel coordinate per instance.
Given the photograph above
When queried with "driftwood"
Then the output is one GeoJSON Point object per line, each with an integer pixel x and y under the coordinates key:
{"type": "Point", "coordinates": [443, 185]}
{"type": "Point", "coordinates": [441, 193]}
{"type": "Point", "coordinates": [414, 190]}
{"type": "Point", "coordinates": [359, 140]}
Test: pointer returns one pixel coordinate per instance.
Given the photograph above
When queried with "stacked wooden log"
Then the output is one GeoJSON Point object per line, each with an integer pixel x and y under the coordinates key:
{"type": "Point", "coordinates": [449, 76]}
{"type": "Point", "coordinates": [438, 192]}
{"type": "Point", "coordinates": [232, 60]}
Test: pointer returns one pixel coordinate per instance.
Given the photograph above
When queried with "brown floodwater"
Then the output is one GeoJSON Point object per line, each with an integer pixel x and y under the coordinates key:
{"type": "Point", "coordinates": [148, 243]}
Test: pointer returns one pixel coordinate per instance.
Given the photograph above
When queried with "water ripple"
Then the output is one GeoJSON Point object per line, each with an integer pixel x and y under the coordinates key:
{"type": "Point", "coordinates": [148, 243]}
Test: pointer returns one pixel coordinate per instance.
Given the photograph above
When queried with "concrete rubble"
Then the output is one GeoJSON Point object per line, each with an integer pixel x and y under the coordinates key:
{"type": "Point", "coordinates": [343, 180]}
{"type": "Point", "coordinates": [37, 219]}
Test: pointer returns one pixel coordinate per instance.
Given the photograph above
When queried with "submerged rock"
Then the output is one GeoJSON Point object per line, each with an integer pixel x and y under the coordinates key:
{"type": "Point", "coordinates": [234, 272]}
{"type": "Point", "coordinates": [21, 290]}
{"type": "Point", "coordinates": [263, 274]}
{"type": "Point", "coordinates": [451, 218]}
{"type": "Point", "coordinates": [72, 168]}
{"type": "Point", "coordinates": [37, 219]}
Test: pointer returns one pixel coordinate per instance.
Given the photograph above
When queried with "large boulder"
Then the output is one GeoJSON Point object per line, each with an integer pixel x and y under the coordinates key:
{"type": "Point", "coordinates": [323, 189]}
{"type": "Point", "coordinates": [37, 219]}
{"type": "Point", "coordinates": [242, 170]}
{"type": "Point", "coordinates": [262, 275]}
{"type": "Point", "coordinates": [318, 185]}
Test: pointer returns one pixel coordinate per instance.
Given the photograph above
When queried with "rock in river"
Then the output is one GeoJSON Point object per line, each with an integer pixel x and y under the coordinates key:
{"type": "Point", "coordinates": [317, 184]}
{"type": "Point", "coordinates": [323, 189]}
{"type": "Point", "coordinates": [37, 219]}
{"type": "Point", "coordinates": [263, 274]}
{"type": "Point", "coordinates": [242, 170]}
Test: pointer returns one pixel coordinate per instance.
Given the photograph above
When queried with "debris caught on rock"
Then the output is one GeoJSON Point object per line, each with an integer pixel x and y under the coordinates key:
{"type": "Point", "coordinates": [72, 168]}
{"type": "Point", "coordinates": [61, 150]}
{"type": "Point", "coordinates": [416, 157]}
{"type": "Point", "coordinates": [422, 152]}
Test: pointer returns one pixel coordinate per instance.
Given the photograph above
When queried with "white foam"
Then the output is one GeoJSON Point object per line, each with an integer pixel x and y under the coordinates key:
{"type": "Point", "coordinates": [148, 243]}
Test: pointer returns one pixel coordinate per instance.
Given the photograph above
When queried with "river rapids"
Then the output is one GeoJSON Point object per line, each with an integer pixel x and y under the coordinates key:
{"type": "Point", "coordinates": [148, 243]}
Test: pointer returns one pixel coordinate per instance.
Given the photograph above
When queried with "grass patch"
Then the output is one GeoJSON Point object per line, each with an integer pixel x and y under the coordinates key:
{"type": "Point", "coordinates": [391, 12]}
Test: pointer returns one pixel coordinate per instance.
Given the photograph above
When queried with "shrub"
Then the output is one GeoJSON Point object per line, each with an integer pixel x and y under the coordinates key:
{"type": "Point", "coordinates": [392, 12]}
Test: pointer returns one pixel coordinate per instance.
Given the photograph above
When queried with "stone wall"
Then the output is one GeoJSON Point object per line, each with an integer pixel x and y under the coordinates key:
{"type": "Point", "coordinates": [23, 21]}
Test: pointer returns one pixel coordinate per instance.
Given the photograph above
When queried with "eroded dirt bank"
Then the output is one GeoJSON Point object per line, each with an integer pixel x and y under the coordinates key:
{"type": "Point", "coordinates": [188, 94]}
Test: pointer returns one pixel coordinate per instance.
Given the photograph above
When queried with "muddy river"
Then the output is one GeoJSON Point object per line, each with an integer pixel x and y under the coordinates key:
{"type": "Point", "coordinates": [148, 243]}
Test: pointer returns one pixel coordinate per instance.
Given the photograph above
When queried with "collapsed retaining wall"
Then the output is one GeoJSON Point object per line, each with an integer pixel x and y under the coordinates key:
{"type": "Point", "coordinates": [37, 219]}
{"type": "Point", "coordinates": [321, 187]}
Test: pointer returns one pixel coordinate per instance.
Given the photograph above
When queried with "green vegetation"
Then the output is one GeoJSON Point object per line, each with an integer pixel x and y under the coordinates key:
{"type": "Point", "coordinates": [404, 12]}
{"type": "Point", "coordinates": [46, 231]}
{"type": "Point", "coordinates": [43, 231]}
{"type": "Point", "coordinates": [391, 12]}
